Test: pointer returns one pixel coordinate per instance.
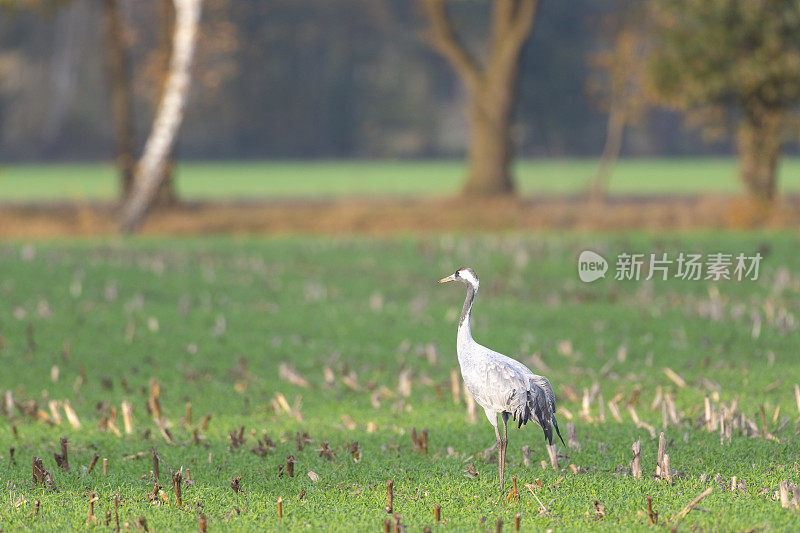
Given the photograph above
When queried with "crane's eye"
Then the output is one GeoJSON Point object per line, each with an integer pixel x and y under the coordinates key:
{"type": "Point", "coordinates": [457, 271]}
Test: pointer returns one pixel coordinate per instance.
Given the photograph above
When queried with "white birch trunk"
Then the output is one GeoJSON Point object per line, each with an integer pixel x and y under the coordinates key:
{"type": "Point", "coordinates": [167, 122]}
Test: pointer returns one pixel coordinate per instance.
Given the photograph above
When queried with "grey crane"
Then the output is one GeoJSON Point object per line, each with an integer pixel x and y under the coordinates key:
{"type": "Point", "coordinates": [501, 385]}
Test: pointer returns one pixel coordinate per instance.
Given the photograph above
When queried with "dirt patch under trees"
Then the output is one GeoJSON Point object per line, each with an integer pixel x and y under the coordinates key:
{"type": "Point", "coordinates": [386, 216]}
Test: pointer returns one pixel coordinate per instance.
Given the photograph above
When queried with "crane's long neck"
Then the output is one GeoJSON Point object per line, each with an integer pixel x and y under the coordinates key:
{"type": "Point", "coordinates": [464, 333]}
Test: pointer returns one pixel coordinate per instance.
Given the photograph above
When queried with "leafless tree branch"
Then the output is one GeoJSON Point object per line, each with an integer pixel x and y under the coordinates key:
{"type": "Point", "coordinates": [443, 39]}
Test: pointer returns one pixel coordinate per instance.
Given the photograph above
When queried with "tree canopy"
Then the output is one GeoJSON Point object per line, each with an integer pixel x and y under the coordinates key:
{"type": "Point", "coordinates": [727, 53]}
{"type": "Point", "coordinates": [732, 61]}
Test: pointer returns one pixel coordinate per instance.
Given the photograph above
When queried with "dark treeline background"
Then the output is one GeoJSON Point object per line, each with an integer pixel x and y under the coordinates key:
{"type": "Point", "coordinates": [312, 78]}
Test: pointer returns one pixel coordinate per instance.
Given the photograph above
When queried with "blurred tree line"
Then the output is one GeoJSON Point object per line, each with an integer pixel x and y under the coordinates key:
{"type": "Point", "coordinates": [350, 78]}
{"type": "Point", "coordinates": [396, 78]}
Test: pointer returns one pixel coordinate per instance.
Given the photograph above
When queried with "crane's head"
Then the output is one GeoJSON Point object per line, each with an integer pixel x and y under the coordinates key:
{"type": "Point", "coordinates": [464, 275]}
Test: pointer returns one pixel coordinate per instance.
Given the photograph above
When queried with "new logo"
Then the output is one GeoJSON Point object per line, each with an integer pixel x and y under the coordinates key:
{"type": "Point", "coordinates": [591, 266]}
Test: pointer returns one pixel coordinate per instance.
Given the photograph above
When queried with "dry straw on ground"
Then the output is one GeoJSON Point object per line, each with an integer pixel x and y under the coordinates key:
{"type": "Point", "coordinates": [387, 215]}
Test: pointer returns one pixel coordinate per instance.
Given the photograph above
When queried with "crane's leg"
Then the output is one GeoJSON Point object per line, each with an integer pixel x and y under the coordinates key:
{"type": "Point", "coordinates": [502, 451]}
{"type": "Point", "coordinates": [499, 456]}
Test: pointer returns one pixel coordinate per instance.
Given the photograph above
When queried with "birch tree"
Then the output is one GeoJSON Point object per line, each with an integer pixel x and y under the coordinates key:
{"type": "Point", "coordinates": [169, 115]}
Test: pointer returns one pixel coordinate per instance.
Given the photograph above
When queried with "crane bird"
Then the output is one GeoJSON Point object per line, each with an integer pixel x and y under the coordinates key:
{"type": "Point", "coordinates": [501, 385]}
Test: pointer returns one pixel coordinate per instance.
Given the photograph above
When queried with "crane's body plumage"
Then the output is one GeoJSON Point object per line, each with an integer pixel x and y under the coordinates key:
{"type": "Point", "coordinates": [499, 384]}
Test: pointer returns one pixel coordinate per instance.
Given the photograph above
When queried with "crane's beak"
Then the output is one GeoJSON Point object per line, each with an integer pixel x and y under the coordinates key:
{"type": "Point", "coordinates": [451, 277]}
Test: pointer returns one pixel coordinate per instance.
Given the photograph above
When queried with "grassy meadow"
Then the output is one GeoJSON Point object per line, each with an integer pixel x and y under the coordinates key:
{"type": "Point", "coordinates": [304, 179]}
{"type": "Point", "coordinates": [351, 340]}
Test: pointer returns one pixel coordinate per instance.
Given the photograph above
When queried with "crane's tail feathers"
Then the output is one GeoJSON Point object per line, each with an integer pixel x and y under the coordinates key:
{"type": "Point", "coordinates": [539, 410]}
{"type": "Point", "coordinates": [548, 432]}
{"type": "Point", "coordinates": [555, 425]}
{"type": "Point", "coordinates": [524, 416]}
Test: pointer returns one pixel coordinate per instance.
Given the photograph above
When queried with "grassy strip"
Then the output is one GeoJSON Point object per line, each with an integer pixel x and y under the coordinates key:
{"type": "Point", "coordinates": [286, 179]}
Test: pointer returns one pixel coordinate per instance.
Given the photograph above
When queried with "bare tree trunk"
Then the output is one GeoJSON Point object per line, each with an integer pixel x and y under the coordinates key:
{"type": "Point", "coordinates": [492, 88]}
{"type": "Point", "coordinates": [121, 99]}
{"type": "Point", "coordinates": [166, 191]}
{"type": "Point", "coordinates": [614, 134]}
{"type": "Point", "coordinates": [166, 195]}
{"type": "Point", "coordinates": [490, 149]}
{"type": "Point", "coordinates": [150, 169]}
{"type": "Point", "coordinates": [759, 141]}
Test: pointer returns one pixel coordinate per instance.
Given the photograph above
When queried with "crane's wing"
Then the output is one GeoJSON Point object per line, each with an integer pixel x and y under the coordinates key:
{"type": "Point", "coordinates": [502, 384]}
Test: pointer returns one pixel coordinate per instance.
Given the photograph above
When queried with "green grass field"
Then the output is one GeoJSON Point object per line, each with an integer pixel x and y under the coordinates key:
{"type": "Point", "coordinates": [219, 180]}
{"type": "Point", "coordinates": [212, 321]}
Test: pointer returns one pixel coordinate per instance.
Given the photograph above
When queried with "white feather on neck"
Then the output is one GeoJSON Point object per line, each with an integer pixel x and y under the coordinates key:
{"type": "Point", "coordinates": [464, 337]}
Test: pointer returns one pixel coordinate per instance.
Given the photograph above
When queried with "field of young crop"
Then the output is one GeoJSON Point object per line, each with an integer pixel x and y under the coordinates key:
{"type": "Point", "coordinates": [308, 179]}
{"type": "Point", "coordinates": [283, 379]}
